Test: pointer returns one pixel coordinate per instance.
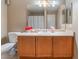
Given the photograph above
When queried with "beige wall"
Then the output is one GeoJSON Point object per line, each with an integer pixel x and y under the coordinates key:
{"type": "Point", "coordinates": [75, 18]}
{"type": "Point", "coordinates": [3, 21]}
{"type": "Point", "coordinates": [75, 26]}
{"type": "Point", "coordinates": [17, 15]}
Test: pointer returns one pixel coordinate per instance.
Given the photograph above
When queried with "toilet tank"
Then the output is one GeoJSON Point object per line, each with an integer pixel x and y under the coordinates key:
{"type": "Point", "coordinates": [12, 37]}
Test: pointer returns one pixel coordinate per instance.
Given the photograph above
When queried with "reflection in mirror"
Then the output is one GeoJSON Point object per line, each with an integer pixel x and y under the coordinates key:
{"type": "Point", "coordinates": [44, 14]}
{"type": "Point", "coordinates": [68, 13]}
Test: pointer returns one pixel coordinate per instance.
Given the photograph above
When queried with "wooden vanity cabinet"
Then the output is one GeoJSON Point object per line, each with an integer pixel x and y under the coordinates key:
{"type": "Point", "coordinates": [63, 46]}
{"type": "Point", "coordinates": [44, 46]}
{"type": "Point", "coordinates": [26, 46]}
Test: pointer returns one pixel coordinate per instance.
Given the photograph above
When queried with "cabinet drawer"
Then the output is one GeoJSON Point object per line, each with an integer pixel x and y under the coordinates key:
{"type": "Point", "coordinates": [62, 46]}
{"type": "Point", "coordinates": [43, 46]}
{"type": "Point", "coordinates": [26, 46]}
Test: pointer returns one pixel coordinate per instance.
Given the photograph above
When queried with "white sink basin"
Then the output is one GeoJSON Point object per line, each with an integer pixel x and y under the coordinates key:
{"type": "Point", "coordinates": [43, 32]}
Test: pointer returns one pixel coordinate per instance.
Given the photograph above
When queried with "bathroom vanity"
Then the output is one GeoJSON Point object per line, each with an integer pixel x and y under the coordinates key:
{"type": "Point", "coordinates": [57, 45]}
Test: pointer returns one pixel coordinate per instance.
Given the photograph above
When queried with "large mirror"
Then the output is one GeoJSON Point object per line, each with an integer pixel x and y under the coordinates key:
{"type": "Point", "coordinates": [44, 14]}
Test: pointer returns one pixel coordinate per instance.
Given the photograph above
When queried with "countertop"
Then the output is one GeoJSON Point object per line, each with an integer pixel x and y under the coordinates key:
{"type": "Point", "coordinates": [59, 33]}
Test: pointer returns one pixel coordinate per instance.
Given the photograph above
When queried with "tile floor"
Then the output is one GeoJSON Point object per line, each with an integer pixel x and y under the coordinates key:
{"type": "Point", "coordinates": [8, 56]}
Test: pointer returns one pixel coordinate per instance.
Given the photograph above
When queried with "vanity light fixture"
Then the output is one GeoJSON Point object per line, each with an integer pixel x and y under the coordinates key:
{"type": "Point", "coordinates": [41, 3]}
{"type": "Point", "coordinates": [38, 3]}
{"type": "Point", "coordinates": [46, 3]}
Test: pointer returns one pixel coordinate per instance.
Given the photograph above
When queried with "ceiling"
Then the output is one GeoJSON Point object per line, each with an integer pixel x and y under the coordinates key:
{"type": "Point", "coordinates": [32, 8]}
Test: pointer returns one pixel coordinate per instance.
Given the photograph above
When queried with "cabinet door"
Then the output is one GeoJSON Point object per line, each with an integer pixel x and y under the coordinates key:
{"type": "Point", "coordinates": [43, 46]}
{"type": "Point", "coordinates": [26, 46]}
{"type": "Point", "coordinates": [62, 46]}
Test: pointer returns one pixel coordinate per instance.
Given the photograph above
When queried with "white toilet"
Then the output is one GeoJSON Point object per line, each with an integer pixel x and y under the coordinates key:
{"type": "Point", "coordinates": [10, 46]}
